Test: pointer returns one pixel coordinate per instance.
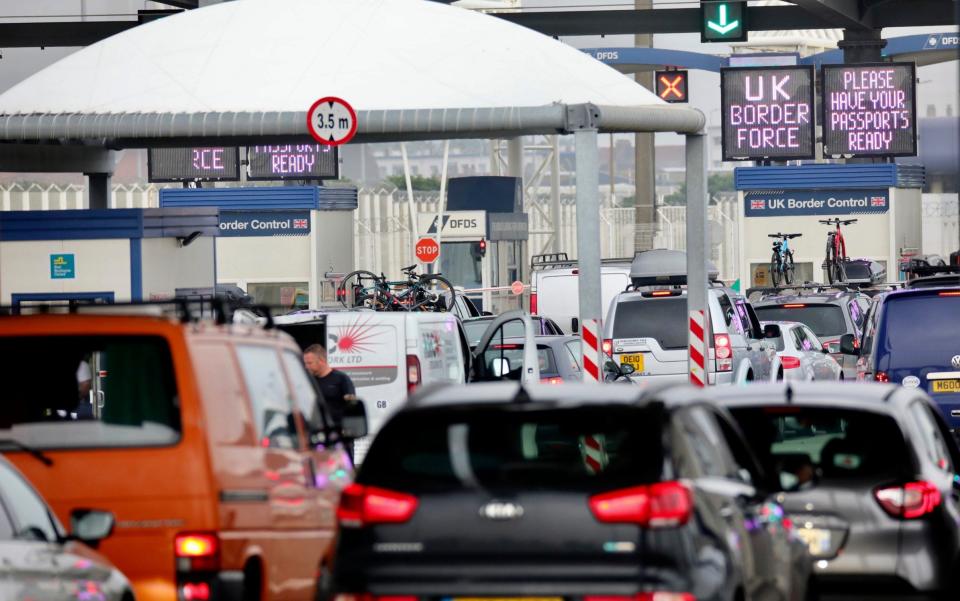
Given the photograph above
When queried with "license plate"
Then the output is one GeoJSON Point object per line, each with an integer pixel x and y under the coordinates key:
{"type": "Point", "coordinates": [635, 360]}
{"type": "Point", "coordinates": [946, 386]}
{"type": "Point", "coordinates": [818, 541]}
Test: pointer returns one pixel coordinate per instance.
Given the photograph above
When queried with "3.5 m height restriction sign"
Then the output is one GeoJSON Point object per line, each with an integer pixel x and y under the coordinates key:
{"type": "Point", "coordinates": [332, 121]}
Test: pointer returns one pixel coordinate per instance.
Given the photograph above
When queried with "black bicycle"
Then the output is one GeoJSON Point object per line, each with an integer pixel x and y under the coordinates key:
{"type": "Point", "coordinates": [427, 292]}
{"type": "Point", "coordinates": [781, 263]}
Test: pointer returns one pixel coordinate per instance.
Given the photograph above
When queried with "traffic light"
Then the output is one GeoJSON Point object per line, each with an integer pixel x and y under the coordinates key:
{"type": "Point", "coordinates": [479, 249]}
{"type": "Point", "coordinates": [722, 21]}
{"type": "Point", "coordinates": [672, 86]}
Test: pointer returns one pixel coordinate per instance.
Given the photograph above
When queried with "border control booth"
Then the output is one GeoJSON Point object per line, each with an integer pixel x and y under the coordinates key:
{"type": "Point", "coordinates": [114, 255]}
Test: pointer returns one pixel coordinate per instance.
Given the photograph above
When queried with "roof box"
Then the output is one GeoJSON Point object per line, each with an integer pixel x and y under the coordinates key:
{"type": "Point", "coordinates": [661, 267]}
{"type": "Point", "coordinates": [864, 271]}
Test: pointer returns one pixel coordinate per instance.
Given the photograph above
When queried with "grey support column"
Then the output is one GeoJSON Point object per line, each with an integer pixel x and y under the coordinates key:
{"type": "Point", "coordinates": [698, 245]}
{"type": "Point", "coordinates": [588, 250]}
{"type": "Point", "coordinates": [98, 190]}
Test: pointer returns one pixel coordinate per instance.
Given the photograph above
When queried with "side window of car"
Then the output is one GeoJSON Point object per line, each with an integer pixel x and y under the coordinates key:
{"type": "Point", "coordinates": [803, 343]}
{"type": "Point", "coordinates": [856, 314]}
{"type": "Point", "coordinates": [270, 398]}
{"type": "Point", "coordinates": [28, 510]}
{"type": "Point", "coordinates": [754, 321]}
{"type": "Point", "coordinates": [304, 392]}
{"type": "Point", "coordinates": [747, 470]}
{"type": "Point", "coordinates": [930, 436]}
{"type": "Point", "coordinates": [573, 349]}
{"type": "Point", "coordinates": [708, 445]}
{"type": "Point", "coordinates": [730, 316]}
{"type": "Point", "coordinates": [870, 328]}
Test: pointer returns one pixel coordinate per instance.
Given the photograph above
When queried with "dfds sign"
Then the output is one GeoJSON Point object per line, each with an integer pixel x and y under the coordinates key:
{"type": "Point", "coordinates": [805, 203]}
{"type": "Point", "coordinates": [767, 113]}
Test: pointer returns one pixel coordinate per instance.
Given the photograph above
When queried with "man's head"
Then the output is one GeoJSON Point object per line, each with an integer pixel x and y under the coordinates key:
{"type": "Point", "coordinates": [315, 360]}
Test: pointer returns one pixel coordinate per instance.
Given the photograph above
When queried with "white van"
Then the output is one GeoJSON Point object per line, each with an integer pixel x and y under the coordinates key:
{"type": "Point", "coordinates": [555, 287]}
{"type": "Point", "coordinates": [386, 354]}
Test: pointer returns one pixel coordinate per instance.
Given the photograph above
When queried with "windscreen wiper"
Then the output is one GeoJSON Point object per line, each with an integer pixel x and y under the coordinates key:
{"type": "Point", "coordinates": [28, 449]}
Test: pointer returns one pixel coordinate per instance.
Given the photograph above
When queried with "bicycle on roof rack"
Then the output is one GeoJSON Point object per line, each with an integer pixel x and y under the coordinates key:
{"type": "Point", "coordinates": [836, 252]}
{"type": "Point", "coordinates": [781, 263]}
{"type": "Point", "coordinates": [427, 292]}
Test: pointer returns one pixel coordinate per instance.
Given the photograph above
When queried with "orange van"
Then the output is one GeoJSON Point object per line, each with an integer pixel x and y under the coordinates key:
{"type": "Point", "coordinates": [205, 440]}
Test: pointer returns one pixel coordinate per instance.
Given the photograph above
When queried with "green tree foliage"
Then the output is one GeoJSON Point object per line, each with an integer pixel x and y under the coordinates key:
{"type": "Point", "coordinates": [419, 182]}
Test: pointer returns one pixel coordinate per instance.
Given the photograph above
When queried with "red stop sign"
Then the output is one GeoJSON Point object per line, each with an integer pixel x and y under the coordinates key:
{"type": "Point", "coordinates": [427, 250]}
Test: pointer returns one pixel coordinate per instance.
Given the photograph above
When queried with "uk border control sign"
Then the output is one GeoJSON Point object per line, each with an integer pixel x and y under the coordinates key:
{"type": "Point", "coordinates": [332, 121]}
{"type": "Point", "coordinates": [869, 110]}
{"type": "Point", "coordinates": [768, 113]}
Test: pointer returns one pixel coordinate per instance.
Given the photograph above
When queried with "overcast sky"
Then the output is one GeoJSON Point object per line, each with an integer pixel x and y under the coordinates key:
{"type": "Point", "coordinates": [939, 84]}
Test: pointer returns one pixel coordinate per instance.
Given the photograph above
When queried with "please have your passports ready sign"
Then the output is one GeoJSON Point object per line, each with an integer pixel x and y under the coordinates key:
{"type": "Point", "coordinates": [817, 202]}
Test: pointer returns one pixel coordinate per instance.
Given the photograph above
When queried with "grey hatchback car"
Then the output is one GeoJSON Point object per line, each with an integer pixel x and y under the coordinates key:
{"type": "Point", "coordinates": [868, 474]}
{"type": "Point", "coordinates": [829, 313]}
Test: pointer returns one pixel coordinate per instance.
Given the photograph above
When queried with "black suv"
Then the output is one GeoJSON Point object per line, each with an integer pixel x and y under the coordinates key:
{"type": "Point", "coordinates": [496, 491]}
{"type": "Point", "coordinates": [868, 477]}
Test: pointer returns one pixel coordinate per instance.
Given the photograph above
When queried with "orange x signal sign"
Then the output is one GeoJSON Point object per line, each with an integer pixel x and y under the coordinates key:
{"type": "Point", "coordinates": [672, 86]}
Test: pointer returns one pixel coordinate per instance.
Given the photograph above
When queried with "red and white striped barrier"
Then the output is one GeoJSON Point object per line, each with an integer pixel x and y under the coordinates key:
{"type": "Point", "coordinates": [590, 344]}
{"type": "Point", "coordinates": [698, 367]}
{"type": "Point", "coordinates": [594, 455]}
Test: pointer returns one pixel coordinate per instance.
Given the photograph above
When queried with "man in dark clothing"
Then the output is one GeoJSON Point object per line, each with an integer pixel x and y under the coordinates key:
{"type": "Point", "coordinates": [336, 386]}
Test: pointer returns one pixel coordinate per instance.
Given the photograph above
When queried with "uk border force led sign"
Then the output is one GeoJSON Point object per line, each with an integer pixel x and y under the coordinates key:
{"type": "Point", "coordinates": [768, 113]}
{"type": "Point", "coordinates": [218, 163]}
{"type": "Point", "coordinates": [869, 110]}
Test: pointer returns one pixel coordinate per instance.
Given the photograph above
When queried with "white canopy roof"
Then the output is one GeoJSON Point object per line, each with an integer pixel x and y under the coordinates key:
{"type": "Point", "coordinates": [269, 55]}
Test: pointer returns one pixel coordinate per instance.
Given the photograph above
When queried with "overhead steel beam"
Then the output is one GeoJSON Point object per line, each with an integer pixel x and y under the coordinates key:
{"type": "Point", "coordinates": [912, 13]}
{"type": "Point", "coordinates": [52, 35]}
{"type": "Point", "coordinates": [846, 12]}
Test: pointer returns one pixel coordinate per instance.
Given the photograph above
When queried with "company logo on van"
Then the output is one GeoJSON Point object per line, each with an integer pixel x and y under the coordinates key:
{"type": "Point", "coordinates": [354, 338]}
{"type": "Point", "coordinates": [431, 345]}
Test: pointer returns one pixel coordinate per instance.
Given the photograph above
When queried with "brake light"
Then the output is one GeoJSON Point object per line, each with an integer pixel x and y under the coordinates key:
{"type": "Point", "coordinates": [794, 306]}
{"type": "Point", "coordinates": [790, 362]}
{"type": "Point", "coordinates": [533, 303]}
{"type": "Point", "coordinates": [654, 596]}
{"type": "Point", "coordinates": [723, 353]}
{"type": "Point", "coordinates": [195, 591]}
{"type": "Point", "coordinates": [881, 376]}
{"type": "Point", "coordinates": [551, 380]}
{"type": "Point", "coordinates": [196, 551]}
{"type": "Point", "coordinates": [909, 501]}
{"type": "Point", "coordinates": [951, 293]}
{"type": "Point", "coordinates": [508, 347]}
{"type": "Point", "coordinates": [660, 505]}
{"type": "Point", "coordinates": [657, 293]}
{"type": "Point", "coordinates": [607, 346]}
{"type": "Point", "coordinates": [364, 505]}
{"type": "Point", "coordinates": [413, 373]}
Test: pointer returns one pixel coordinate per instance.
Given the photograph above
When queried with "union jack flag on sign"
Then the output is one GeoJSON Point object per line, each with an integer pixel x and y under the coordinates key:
{"type": "Point", "coordinates": [299, 224]}
{"type": "Point", "coordinates": [757, 205]}
{"type": "Point", "coordinates": [878, 201]}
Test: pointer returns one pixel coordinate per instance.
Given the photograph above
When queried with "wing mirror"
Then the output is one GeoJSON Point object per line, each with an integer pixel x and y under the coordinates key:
{"type": "Point", "coordinates": [90, 526]}
{"type": "Point", "coordinates": [772, 330]}
{"type": "Point", "coordinates": [848, 345]}
{"type": "Point", "coordinates": [626, 369]}
{"type": "Point", "coordinates": [500, 367]}
{"type": "Point", "coordinates": [575, 325]}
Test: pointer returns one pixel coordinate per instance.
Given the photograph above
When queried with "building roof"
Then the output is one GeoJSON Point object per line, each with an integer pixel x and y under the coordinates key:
{"type": "Point", "coordinates": [260, 55]}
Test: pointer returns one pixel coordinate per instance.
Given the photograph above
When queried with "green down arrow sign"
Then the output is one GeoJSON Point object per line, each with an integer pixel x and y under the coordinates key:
{"type": "Point", "coordinates": [723, 21]}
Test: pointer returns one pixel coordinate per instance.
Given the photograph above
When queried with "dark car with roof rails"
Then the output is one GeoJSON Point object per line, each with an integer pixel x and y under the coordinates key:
{"type": "Point", "coordinates": [829, 312]}
{"type": "Point", "coordinates": [912, 338]}
{"type": "Point", "coordinates": [558, 493]}
{"type": "Point", "coordinates": [868, 474]}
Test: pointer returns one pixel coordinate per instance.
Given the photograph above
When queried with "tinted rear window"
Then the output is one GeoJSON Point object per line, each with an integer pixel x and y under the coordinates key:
{"type": "Point", "coordinates": [663, 319]}
{"type": "Point", "coordinates": [920, 330]}
{"type": "Point", "coordinates": [511, 329]}
{"type": "Point", "coordinates": [824, 320]}
{"type": "Point", "coordinates": [79, 391]}
{"type": "Point", "coordinates": [594, 449]}
{"type": "Point", "coordinates": [832, 445]}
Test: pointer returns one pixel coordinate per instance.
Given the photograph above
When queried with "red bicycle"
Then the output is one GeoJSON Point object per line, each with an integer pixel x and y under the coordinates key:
{"type": "Point", "coordinates": [836, 250]}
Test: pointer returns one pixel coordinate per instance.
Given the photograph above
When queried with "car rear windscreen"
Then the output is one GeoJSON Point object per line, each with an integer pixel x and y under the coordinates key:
{"type": "Point", "coordinates": [824, 320]}
{"type": "Point", "coordinates": [88, 391]}
{"type": "Point", "coordinates": [663, 319]}
{"type": "Point", "coordinates": [513, 355]}
{"type": "Point", "coordinates": [920, 330]}
{"type": "Point", "coordinates": [808, 444]}
{"type": "Point", "coordinates": [511, 329]}
{"type": "Point", "coordinates": [594, 448]}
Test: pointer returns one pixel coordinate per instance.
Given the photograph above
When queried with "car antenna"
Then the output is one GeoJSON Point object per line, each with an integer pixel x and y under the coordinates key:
{"type": "Point", "coordinates": [522, 395]}
{"type": "Point", "coordinates": [789, 394]}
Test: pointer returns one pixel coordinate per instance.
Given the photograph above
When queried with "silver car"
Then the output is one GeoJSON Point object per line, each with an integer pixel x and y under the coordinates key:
{"type": "Point", "coordinates": [43, 563]}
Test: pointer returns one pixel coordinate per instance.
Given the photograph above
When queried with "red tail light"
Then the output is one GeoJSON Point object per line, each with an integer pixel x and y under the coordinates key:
{"type": "Point", "coordinates": [533, 303]}
{"type": "Point", "coordinates": [950, 293]}
{"type": "Point", "coordinates": [909, 501]}
{"type": "Point", "coordinates": [660, 505]}
{"type": "Point", "coordinates": [413, 373]}
{"type": "Point", "coordinates": [552, 380]}
{"type": "Point", "coordinates": [723, 352]}
{"type": "Point", "coordinates": [654, 596]}
{"type": "Point", "coordinates": [794, 306]}
{"type": "Point", "coordinates": [363, 505]}
{"type": "Point", "coordinates": [607, 346]}
{"type": "Point", "coordinates": [881, 376]}
{"type": "Point", "coordinates": [195, 591]}
{"type": "Point", "coordinates": [196, 551]}
{"type": "Point", "coordinates": [790, 362]}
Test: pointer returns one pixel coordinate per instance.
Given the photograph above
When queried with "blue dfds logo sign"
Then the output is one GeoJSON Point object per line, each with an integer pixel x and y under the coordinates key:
{"type": "Point", "coordinates": [264, 223]}
{"type": "Point", "coordinates": [793, 203]}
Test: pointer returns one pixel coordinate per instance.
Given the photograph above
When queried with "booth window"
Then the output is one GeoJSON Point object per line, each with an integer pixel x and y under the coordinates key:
{"type": "Point", "coordinates": [289, 295]}
{"type": "Point", "coordinates": [88, 391]}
